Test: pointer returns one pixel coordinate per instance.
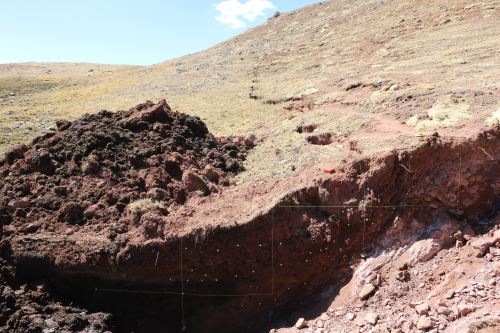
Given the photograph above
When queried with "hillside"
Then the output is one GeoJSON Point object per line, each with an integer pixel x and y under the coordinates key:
{"type": "Point", "coordinates": [347, 117]}
{"type": "Point", "coordinates": [426, 52]}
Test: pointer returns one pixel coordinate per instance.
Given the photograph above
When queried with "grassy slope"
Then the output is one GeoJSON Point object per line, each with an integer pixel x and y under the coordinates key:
{"type": "Point", "coordinates": [430, 49]}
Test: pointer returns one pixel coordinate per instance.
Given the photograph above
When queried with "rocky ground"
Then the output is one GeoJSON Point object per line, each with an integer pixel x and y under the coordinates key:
{"type": "Point", "coordinates": [447, 283]}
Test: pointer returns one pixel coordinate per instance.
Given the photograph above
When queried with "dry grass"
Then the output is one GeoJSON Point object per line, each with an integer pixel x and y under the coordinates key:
{"type": "Point", "coordinates": [311, 53]}
{"type": "Point", "coordinates": [143, 205]}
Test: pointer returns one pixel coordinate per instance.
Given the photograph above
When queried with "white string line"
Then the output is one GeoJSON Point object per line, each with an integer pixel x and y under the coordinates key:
{"type": "Point", "coordinates": [149, 292]}
{"type": "Point", "coordinates": [459, 178]}
{"type": "Point", "coordinates": [182, 288]}
{"type": "Point", "coordinates": [272, 250]}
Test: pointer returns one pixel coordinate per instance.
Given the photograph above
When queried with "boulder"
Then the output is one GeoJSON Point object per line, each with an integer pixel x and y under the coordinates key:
{"type": "Point", "coordinates": [372, 318]}
{"type": "Point", "coordinates": [301, 323]}
{"type": "Point", "coordinates": [367, 290]}
{"type": "Point", "coordinates": [482, 244]}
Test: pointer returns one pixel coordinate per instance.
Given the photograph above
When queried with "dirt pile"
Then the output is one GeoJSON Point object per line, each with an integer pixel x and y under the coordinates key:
{"type": "Point", "coordinates": [111, 174]}
{"type": "Point", "coordinates": [106, 170]}
{"type": "Point", "coordinates": [32, 308]}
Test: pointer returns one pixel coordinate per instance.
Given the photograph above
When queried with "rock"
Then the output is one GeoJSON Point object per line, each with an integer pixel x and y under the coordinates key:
{"type": "Point", "coordinates": [403, 275]}
{"type": "Point", "coordinates": [482, 244]}
{"type": "Point", "coordinates": [450, 294]}
{"type": "Point", "coordinates": [443, 310]}
{"type": "Point", "coordinates": [424, 323]}
{"type": "Point", "coordinates": [320, 323]}
{"type": "Point", "coordinates": [465, 309]}
{"type": "Point", "coordinates": [372, 318]}
{"type": "Point", "coordinates": [324, 317]}
{"type": "Point", "coordinates": [249, 140]}
{"type": "Point", "coordinates": [367, 290]}
{"type": "Point", "coordinates": [193, 182]}
{"type": "Point", "coordinates": [459, 244]}
{"type": "Point", "coordinates": [422, 309]}
{"type": "Point", "coordinates": [301, 323]}
{"type": "Point", "coordinates": [211, 174]}
{"type": "Point", "coordinates": [495, 251]}
{"type": "Point", "coordinates": [350, 316]}
{"type": "Point", "coordinates": [459, 236]}
{"type": "Point", "coordinates": [21, 204]}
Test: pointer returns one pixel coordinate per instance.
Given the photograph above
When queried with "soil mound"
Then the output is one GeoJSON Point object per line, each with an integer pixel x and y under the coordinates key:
{"type": "Point", "coordinates": [112, 173]}
{"type": "Point", "coordinates": [107, 169]}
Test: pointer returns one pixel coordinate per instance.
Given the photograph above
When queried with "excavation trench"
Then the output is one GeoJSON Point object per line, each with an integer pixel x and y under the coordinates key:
{"type": "Point", "coordinates": [242, 277]}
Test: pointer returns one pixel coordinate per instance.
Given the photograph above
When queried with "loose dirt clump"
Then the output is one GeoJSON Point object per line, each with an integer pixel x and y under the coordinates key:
{"type": "Point", "coordinates": [30, 308]}
{"type": "Point", "coordinates": [97, 170]}
{"type": "Point", "coordinates": [108, 173]}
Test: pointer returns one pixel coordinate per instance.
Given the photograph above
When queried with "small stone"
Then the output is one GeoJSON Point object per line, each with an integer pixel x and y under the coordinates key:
{"type": "Point", "coordinates": [424, 323]}
{"type": "Point", "coordinates": [465, 309]}
{"type": "Point", "coordinates": [21, 204]}
{"type": "Point", "coordinates": [458, 235]}
{"type": "Point", "coordinates": [403, 275]}
{"type": "Point", "coordinates": [367, 290]}
{"type": "Point", "coordinates": [495, 251]}
{"type": "Point", "coordinates": [481, 293]}
{"type": "Point", "coordinates": [350, 316]}
{"type": "Point", "coordinates": [450, 294]}
{"type": "Point", "coordinates": [249, 140]}
{"type": "Point", "coordinates": [193, 182]}
{"type": "Point", "coordinates": [301, 323]}
{"type": "Point", "coordinates": [324, 317]}
{"type": "Point", "coordinates": [459, 244]}
{"type": "Point", "coordinates": [443, 310]}
{"type": "Point", "coordinates": [319, 323]}
{"type": "Point", "coordinates": [372, 318]}
{"type": "Point", "coordinates": [422, 309]}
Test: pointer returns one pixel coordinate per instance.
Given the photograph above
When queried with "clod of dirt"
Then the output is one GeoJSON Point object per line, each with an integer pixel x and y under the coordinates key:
{"type": "Point", "coordinates": [320, 139]}
{"type": "Point", "coordinates": [90, 170]}
{"type": "Point", "coordinates": [306, 128]}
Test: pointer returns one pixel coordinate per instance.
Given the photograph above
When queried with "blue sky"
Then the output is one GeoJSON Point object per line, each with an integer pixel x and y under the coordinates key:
{"type": "Point", "coordinates": [124, 31]}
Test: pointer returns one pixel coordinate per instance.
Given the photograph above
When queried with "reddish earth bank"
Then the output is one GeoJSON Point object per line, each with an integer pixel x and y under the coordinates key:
{"type": "Point", "coordinates": [72, 220]}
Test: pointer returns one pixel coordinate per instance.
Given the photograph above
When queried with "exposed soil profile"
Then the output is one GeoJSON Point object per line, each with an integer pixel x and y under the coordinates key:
{"type": "Point", "coordinates": [90, 218]}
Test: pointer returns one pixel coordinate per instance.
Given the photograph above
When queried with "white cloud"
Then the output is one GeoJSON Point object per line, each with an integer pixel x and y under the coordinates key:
{"type": "Point", "coordinates": [235, 14]}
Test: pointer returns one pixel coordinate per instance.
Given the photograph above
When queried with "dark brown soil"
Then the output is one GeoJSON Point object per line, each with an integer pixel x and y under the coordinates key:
{"type": "Point", "coordinates": [88, 172]}
{"type": "Point", "coordinates": [96, 172]}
